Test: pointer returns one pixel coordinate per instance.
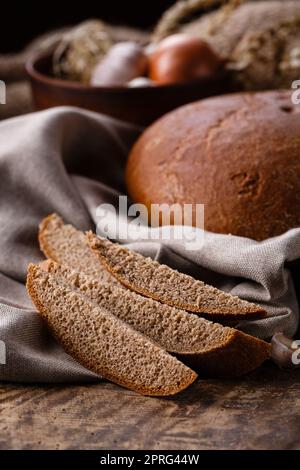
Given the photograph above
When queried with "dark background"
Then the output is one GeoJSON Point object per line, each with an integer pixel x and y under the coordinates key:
{"type": "Point", "coordinates": [22, 21]}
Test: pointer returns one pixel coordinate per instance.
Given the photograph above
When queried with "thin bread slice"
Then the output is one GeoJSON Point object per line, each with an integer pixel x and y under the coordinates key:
{"type": "Point", "coordinates": [162, 283]}
{"type": "Point", "coordinates": [67, 245]}
{"type": "Point", "coordinates": [211, 348]}
{"type": "Point", "coordinates": [103, 343]}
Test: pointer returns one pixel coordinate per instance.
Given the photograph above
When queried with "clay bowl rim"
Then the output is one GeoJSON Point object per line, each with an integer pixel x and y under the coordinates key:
{"type": "Point", "coordinates": [34, 73]}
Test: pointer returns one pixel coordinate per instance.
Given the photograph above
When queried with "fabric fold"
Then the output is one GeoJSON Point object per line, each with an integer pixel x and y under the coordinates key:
{"type": "Point", "coordinates": [70, 161]}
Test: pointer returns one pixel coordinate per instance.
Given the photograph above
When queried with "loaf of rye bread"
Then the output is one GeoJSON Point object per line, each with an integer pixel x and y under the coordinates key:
{"type": "Point", "coordinates": [68, 246]}
{"type": "Point", "coordinates": [103, 343]}
{"type": "Point", "coordinates": [162, 283]}
{"type": "Point", "coordinates": [208, 347]}
{"type": "Point", "coordinates": [236, 154]}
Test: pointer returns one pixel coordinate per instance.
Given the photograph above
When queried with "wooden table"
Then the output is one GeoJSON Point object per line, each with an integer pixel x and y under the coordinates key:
{"type": "Point", "coordinates": [261, 411]}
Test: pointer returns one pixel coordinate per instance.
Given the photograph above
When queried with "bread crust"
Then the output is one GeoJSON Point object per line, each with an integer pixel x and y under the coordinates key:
{"type": "Point", "coordinates": [53, 228]}
{"type": "Point", "coordinates": [56, 221]}
{"type": "Point", "coordinates": [236, 154]}
{"type": "Point", "coordinates": [242, 354]}
{"type": "Point", "coordinates": [254, 310]}
{"type": "Point", "coordinates": [239, 354]}
{"type": "Point", "coordinates": [68, 347]}
{"type": "Point", "coordinates": [236, 354]}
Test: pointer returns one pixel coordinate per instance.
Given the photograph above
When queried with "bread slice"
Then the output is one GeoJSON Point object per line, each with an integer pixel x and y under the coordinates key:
{"type": "Point", "coordinates": [212, 348]}
{"type": "Point", "coordinates": [160, 282]}
{"type": "Point", "coordinates": [67, 245]}
{"type": "Point", "coordinates": [103, 343]}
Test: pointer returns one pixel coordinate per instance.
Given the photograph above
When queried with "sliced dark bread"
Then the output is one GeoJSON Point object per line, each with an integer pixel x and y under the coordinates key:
{"type": "Point", "coordinates": [102, 342]}
{"type": "Point", "coordinates": [162, 283]}
{"type": "Point", "coordinates": [67, 245]}
{"type": "Point", "coordinates": [211, 348]}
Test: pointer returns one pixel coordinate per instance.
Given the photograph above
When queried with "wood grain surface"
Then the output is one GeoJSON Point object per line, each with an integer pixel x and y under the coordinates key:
{"type": "Point", "coordinates": [261, 411]}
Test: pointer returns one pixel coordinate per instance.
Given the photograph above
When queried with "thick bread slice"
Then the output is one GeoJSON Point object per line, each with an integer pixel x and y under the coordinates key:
{"type": "Point", "coordinates": [67, 245]}
{"type": "Point", "coordinates": [212, 348]}
{"type": "Point", "coordinates": [103, 343]}
{"type": "Point", "coordinates": [160, 282]}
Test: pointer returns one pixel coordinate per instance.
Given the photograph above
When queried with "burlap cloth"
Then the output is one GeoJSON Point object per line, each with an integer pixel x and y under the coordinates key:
{"type": "Point", "coordinates": [69, 161]}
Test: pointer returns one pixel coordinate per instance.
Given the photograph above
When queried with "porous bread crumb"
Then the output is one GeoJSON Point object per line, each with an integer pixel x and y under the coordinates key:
{"type": "Point", "coordinates": [217, 350]}
{"type": "Point", "coordinates": [169, 286]}
{"type": "Point", "coordinates": [174, 329]}
{"type": "Point", "coordinates": [103, 343]}
{"type": "Point", "coordinates": [66, 245]}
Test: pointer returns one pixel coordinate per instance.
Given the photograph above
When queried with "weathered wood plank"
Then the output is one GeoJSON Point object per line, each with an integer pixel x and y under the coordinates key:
{"type": "Point", "coordinates": [261, 411]}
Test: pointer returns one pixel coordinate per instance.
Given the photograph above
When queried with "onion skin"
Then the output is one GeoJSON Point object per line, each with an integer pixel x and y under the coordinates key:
{"type": "Point", "coordinates": [182, 58]}
{"type": "Point", "coordinates": [123, 62]}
